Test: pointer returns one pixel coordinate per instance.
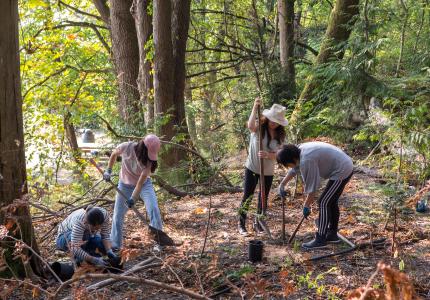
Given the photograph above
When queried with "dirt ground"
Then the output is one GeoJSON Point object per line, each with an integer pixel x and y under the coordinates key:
{"type": "Point", "coordinates": [224, 272]}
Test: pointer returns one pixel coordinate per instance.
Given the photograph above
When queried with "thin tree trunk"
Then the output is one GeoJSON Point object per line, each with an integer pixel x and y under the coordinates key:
{"type": "Point", "coordinates": [12, 159]}
{"type": "Point", "coordinates": [402, 37]}
{"type": "Point", "coordinates": [339, 28]}
{"type": "Point", "coordinates": [423, 13]}
{"type": "Point", "coordinates": [103, 10]}
{"type": "Point", "coordinates": [286, 42]}
{"type": "Point", "coordinates": [126, 59]}
{"type": "Point", "coordinates": [145, 79]}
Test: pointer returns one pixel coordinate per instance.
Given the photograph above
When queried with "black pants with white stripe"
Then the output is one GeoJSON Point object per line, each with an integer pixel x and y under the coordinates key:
{"type": "Point", "coordinates": [329, 206]}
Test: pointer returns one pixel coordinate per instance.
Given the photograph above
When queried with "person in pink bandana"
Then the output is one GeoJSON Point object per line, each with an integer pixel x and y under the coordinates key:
{"type": "Point", "coordinates": [139, 160]}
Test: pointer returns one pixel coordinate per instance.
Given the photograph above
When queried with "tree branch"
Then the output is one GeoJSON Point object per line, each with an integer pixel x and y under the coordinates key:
{"type": "Point", "coordinates": [78, 10]}
{"type": "Point", "coordinates": [144, 281]}
{"type": "Point", "coordinates": [103, 10]}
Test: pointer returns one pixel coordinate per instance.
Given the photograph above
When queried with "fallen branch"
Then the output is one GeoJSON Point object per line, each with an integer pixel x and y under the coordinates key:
{"type": "Point", "coordinates": [144, 281]}
{"type": "Point", "coordinates": [133, 137]}
{"type": "Point", "coordinates": [174, 191]}
{"type": "Point", "coordinates": [146, 264]}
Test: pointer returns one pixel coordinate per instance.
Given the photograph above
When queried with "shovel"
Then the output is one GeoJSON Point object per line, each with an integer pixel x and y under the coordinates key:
{"type": "Point", "coordinates": [158, 235]}
{"type": "Point", "coordinates": [260, 220]}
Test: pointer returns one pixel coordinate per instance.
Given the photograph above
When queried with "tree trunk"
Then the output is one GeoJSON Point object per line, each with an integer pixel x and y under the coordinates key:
{"type": "Point", "coordinates": [12, 159]}
{"type": "Point", "coordinates": [339, 28]}
{"type": "Point", "coordinates": [163, 75]}
{"type": "Point", "coordinates": [171, 22]}
{"type": "Point", "coordinates": [286, 43]}
{"type": "Point", "coordinates": [126, 59]}
{"type": "Point", "coordinates": [180, 25]}
{"type": "Point", "coordinates": [145, 79]}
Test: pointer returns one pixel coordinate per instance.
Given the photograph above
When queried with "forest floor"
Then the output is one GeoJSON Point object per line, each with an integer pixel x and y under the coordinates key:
{"type": "Point", "coordinates": [224, 272]}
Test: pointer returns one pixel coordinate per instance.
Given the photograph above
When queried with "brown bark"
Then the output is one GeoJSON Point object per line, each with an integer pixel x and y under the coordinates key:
{"type": "Point", "coordinates": [170, 21]}
{"type": "Point", "coordinates": [180, 25]}
{"type": "Point", "coordinates": [145, 83]}
{"type": "Point", "coordinates": [12, 159]}
{"type": "Point", "coordinates": [339, 28]}
{"type": "Point", "coordinates": [163, 74]}
{"type": "Point", "coordinates": [286, 42]}
{"type": "Point", "coordinates": [126, 59]}
{"type": "Point", "coordinates": [103, 10]}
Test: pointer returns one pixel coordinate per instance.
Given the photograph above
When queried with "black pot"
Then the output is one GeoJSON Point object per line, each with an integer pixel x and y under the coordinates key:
{"type": "Point", "coordinates": [255, 251]}
{"type": "Point", "coordinates": [64, 270]}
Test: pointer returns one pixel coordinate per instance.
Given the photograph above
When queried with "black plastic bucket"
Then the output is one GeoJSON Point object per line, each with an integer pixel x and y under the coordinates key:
{"type": "Point", "coordinates": [255, 250]}
{"type": "Point", "coordinates": [64, 270]}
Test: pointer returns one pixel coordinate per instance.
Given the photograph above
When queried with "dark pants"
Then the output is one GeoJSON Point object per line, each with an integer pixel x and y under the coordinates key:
{"type": "Point", "coordinates": [93, 246]}
{"type": "Point", "coordinates": [329, 205]}
{"type": "Point", "coordinates": [249, 185]}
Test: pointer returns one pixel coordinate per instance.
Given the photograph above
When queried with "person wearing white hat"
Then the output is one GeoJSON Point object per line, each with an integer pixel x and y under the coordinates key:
{"type": "Point", "coordinates": [273, 122]}
{"type": "Point", "coordinates": [139, 160]}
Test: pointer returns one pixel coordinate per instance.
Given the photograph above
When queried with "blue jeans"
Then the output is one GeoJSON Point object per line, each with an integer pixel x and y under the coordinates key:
{"type": "Point", "coordinates": [148, 195]}
{"type": "Point", "coordinates": [94, 245]}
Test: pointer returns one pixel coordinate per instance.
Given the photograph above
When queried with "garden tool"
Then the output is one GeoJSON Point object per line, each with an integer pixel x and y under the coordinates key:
{"type": "Point", "coordinates": [260, 220]}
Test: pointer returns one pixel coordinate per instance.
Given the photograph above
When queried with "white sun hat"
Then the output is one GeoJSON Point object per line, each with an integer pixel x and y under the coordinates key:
{"type": "Point", "coordinates": [276, 114]}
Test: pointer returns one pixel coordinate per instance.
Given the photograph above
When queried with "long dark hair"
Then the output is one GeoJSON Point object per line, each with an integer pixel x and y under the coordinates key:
{"type": "Point", "coordinates": [142, 155]}
{"type": "Point", "coordinates": [279, 131]}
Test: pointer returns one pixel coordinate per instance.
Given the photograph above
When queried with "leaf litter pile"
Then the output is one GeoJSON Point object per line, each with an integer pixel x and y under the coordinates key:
{"type": "Point", "coordinates": [381, 271]}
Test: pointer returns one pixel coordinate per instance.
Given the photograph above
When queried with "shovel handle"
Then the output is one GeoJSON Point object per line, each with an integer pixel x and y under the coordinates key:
{"type": "Point", "coordinates": [295, 231]}
{"type": "Point", "coordinates": [139, 215]}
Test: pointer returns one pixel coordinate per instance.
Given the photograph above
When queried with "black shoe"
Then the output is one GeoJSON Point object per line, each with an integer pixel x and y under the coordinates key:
{"type": "Point", "coordinates": [318, 242]}
{"type": "Point", "coordinates": [332, 237]}
{"type": "Point", "coordinates": [242, 230]}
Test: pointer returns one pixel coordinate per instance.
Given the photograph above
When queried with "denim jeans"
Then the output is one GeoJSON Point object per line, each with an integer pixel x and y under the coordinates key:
{"type": "Point", "coordinates": [148, 195]}
{"type": "Point", "coordinates": [93, 246]}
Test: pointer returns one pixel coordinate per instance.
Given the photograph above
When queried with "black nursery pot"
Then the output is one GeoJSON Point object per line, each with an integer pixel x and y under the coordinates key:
{"type": "Point", "coordinates": [64, 270]}
{"type": "Point", "coordinates": [255, 251]}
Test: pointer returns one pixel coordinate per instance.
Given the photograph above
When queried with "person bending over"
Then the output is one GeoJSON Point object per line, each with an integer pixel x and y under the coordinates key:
{"type": "Point", "coordinates": [315, 160]}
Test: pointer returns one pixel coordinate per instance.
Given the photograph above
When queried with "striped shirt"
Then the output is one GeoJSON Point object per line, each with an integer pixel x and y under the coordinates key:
{"type": "Point", "coordinates": [77, 224]}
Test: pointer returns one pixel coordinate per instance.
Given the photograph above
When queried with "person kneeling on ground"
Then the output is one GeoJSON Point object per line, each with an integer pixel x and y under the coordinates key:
{"type": "Point", "coordinates": [315, 160]}
{"type": "Point", "coordinates": [85, 232]}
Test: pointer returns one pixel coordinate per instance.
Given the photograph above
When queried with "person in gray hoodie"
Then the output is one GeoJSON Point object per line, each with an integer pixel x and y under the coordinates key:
{"type": "Point", "coordinates": [316, 160]}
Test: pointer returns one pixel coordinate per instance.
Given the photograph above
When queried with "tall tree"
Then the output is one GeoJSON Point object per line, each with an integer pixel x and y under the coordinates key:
{"type": "Point", "coordinates": [342, 18]}
{"type": "Point", "coordinates": [145, 79]}
{"type": "Point", "coordinates": [126, 59]}
{"type": "Point", "coordinates": [12, 159]}
{"type": "Point", "coordinates": [170, 21]}
{"type": "Point", "coordinates": [286, 42]}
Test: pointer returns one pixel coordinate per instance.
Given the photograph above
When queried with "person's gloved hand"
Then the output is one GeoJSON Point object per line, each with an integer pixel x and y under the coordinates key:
{"type": "Point", "coordinates": [111, 254]}
{"type": "Point", "coordinates": [306, 212]}
{"type": "Point", "coordinates": [131, 202]}
{"type": "Point", "coordinates": [98, 261]}
{"type": "Point", "coordinates": [114, 259]}
{"type": "Point", "coordinates": [107, 174]}
{"type": "Point", "coordinates": [282, 192]}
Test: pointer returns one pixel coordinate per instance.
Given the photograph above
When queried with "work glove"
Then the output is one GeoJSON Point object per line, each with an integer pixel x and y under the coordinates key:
{"type": "Point", "coordinates": [107, 174]}
{"type": "Point", "coordinates": [282, 192]}
{"type": "Point", "coordinates": [306, 212]}
{"type": "Point", "coordinates": [114, 259]}
{"type": "Point", "coordinates": [98, 261]}
{"type": "Point", "coordinates": [130, 202]}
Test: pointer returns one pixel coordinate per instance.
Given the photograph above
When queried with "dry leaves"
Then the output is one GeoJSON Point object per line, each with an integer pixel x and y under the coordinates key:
{"type": "Point", "coordinates": [397, 287]}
